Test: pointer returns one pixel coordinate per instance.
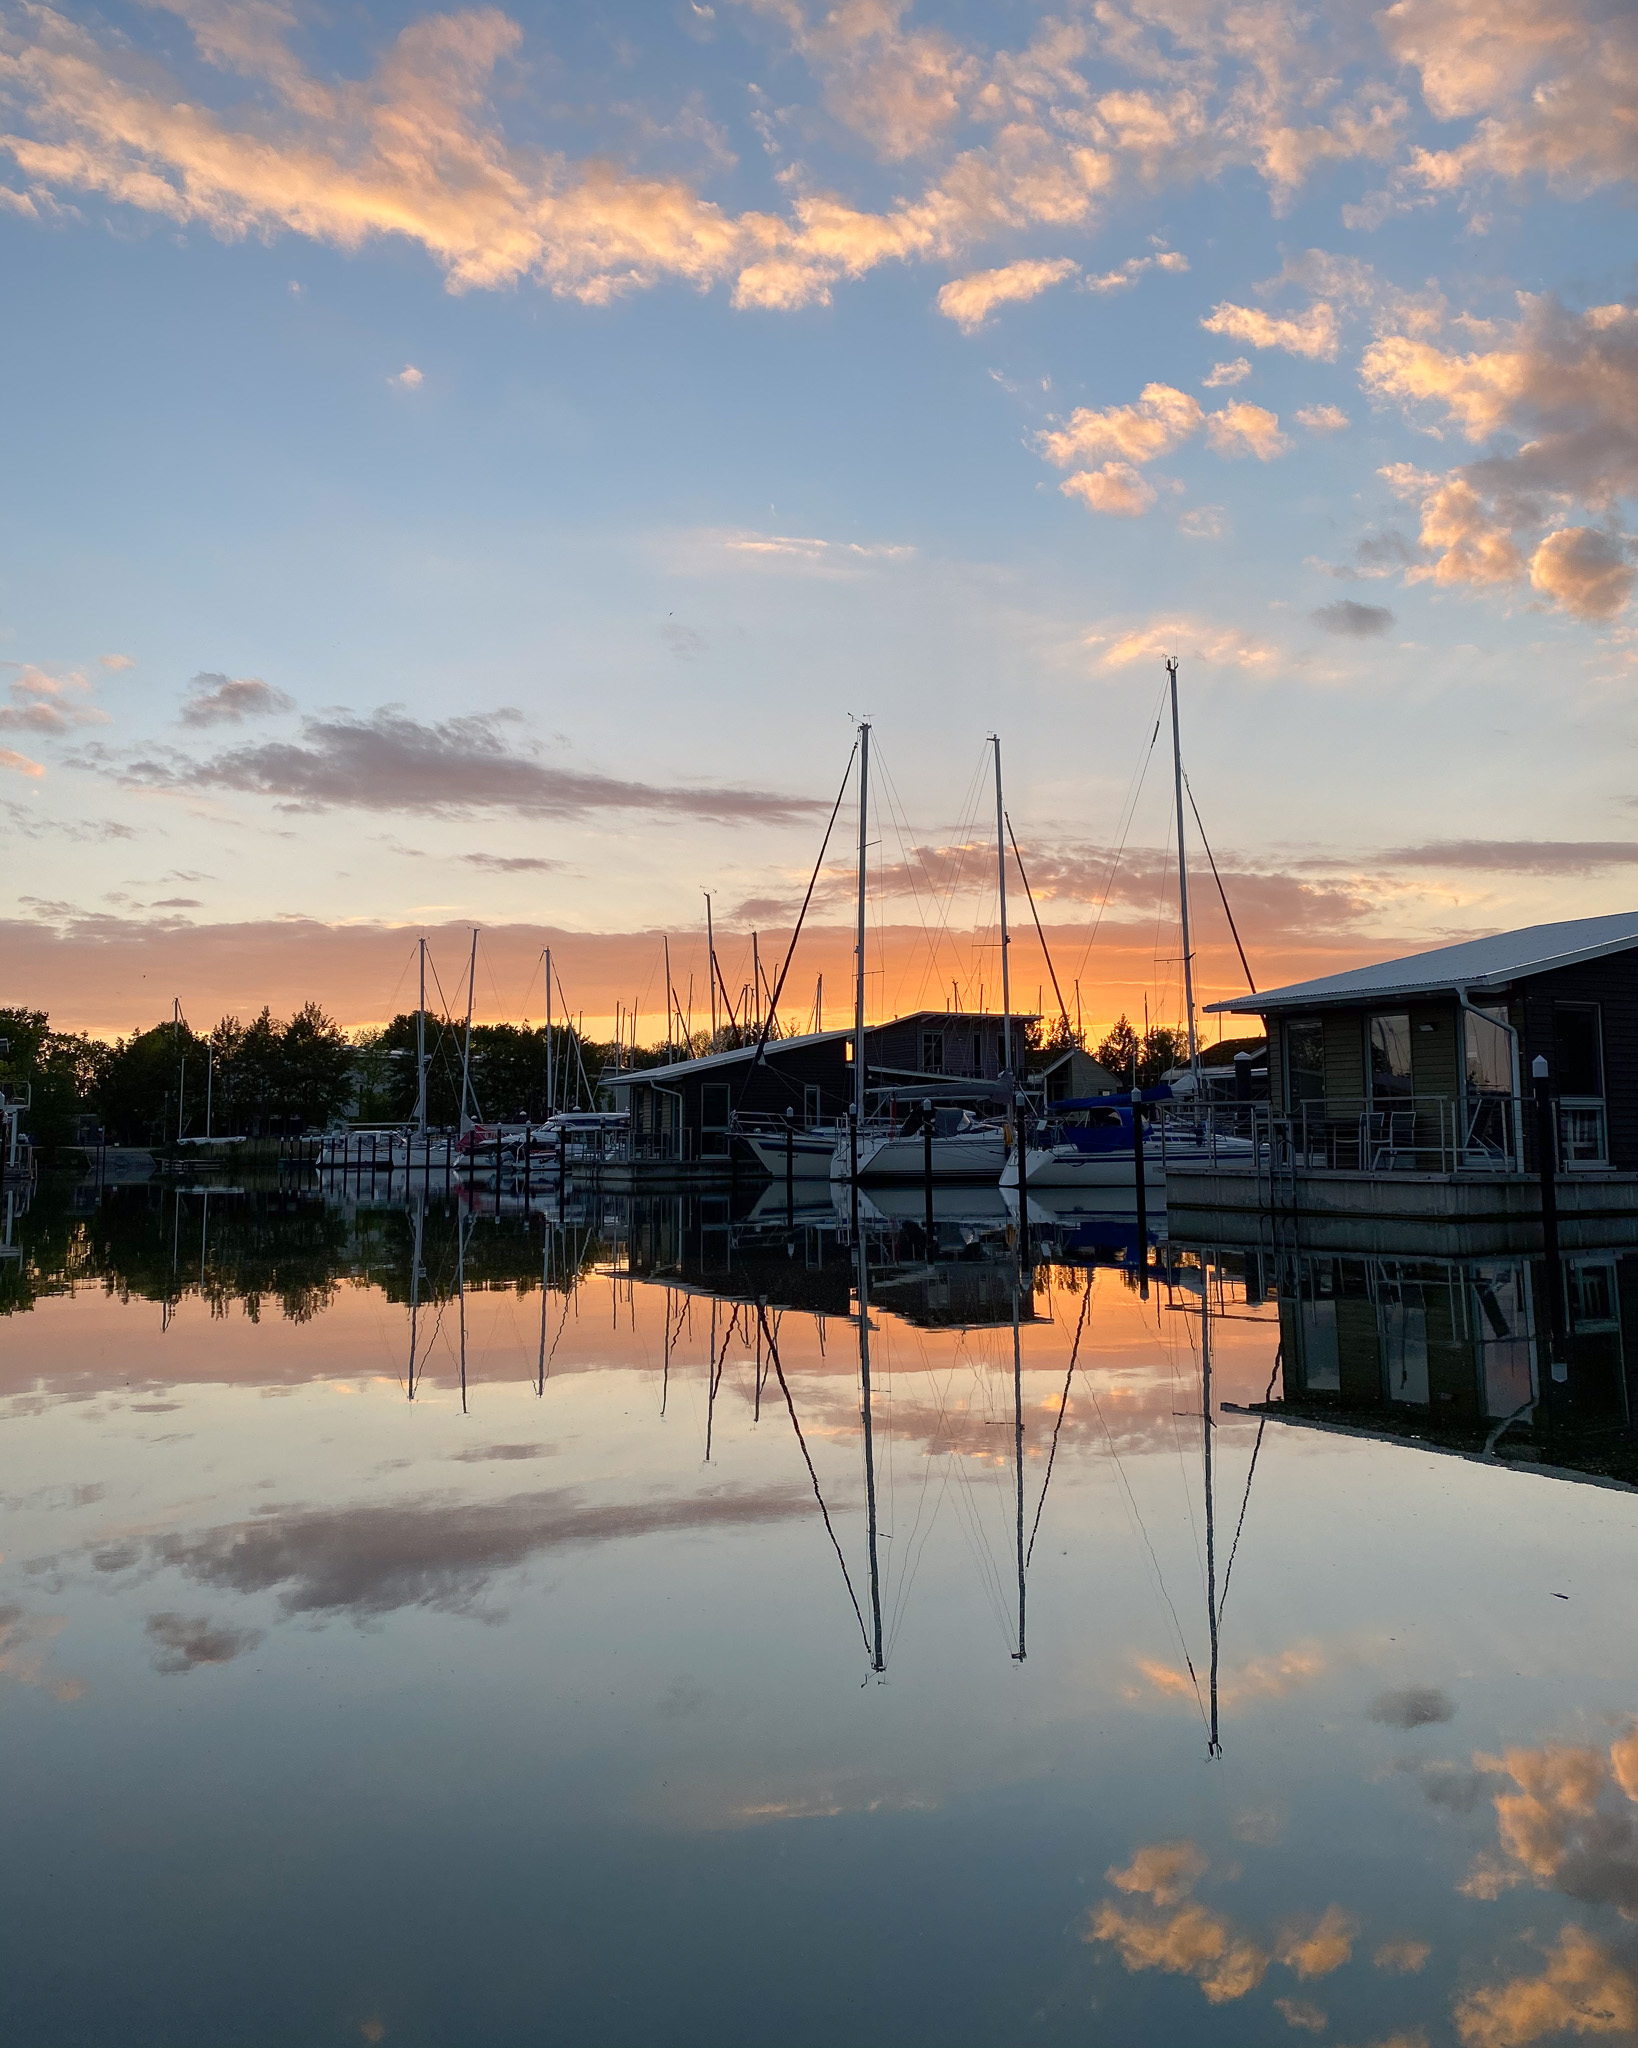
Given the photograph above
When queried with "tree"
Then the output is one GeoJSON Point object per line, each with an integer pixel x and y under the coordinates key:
{"type": "Point", "coordinates": [1161, 1050]}
{"type": "Point", "coordinates": [137, 1086]}
{"type": "Point", "coordinates": [1118, 1054]}
{"type": "Point", "coordinates": [60, 1070]}
{"type": "Point", "coordinates": [314, 1067]}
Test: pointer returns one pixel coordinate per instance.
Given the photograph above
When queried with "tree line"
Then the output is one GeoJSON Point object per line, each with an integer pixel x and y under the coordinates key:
{"type": "Point", "coordinates": [273, 1077]}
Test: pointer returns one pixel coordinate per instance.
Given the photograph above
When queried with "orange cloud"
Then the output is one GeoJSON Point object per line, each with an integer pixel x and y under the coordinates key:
{"type": "Point", "coordinates": [1312, 334]}
{"type": "Point", "coordinates": [968, 301]}
{"type": "Point", "coordinates": [1245, 429]}
{"type": "Point", "coordinates": [1553, 85]}
{"type": "Point", "coordinates": [1162, 1871]}
{"type": "Point", "coordinates": [1323, 1947]}
{"type": "Point", "coordinates": [1192, 1942]}
{"type": "Point", "coordinates": [1565, 387]}
{"type": "Point", "coordinates": [1115, 488]}
{"type": "Point", "coordinates": [1297, 2012]}
{"type": "Point", "coordinates": [1162, 418]}
{"type": "Point", "coordinates": [1582, 1990]}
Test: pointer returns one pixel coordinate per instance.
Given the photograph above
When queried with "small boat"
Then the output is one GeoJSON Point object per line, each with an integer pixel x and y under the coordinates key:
{"type": "Point", "coordinates": [1088, 1144]}
{"type": "Point", "coordinates": [974, 1149]}
{"type": "Point", "coordinates": [775, 1143]}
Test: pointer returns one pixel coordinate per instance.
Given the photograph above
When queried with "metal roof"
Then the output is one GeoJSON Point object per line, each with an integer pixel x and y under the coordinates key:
{"type": "Point", "coordinates": [772, 1050]}
{"type": "Point", "coordinates": [1491, 963]}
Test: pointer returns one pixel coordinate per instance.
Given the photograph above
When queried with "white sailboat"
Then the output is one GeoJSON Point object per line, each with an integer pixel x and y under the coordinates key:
{"type": "Point", "coordinates": [418, 1149]}
{"type": "Point", "coordinates": [976, 1148]}
{"type": "Point", "coordinates": [1089, 1143]}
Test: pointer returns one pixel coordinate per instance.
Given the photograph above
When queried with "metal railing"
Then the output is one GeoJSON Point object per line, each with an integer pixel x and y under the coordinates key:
{"type": "Point", "coordinates": [1441, 1134]}
{"type": "Point", "coordinates": [1438, 1134]}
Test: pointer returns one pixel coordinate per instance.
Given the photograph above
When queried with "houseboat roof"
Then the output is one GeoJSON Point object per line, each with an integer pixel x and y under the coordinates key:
{"type": "Point", "coordinates": [958, 1017]}
{"type": "Point", "coordinates": [1484, 964]}
{"type": "Point", "coordinates": [735, 1055]}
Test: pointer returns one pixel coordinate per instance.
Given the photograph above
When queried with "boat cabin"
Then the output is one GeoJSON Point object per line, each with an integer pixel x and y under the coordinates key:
{"type": "Point", "coordinates": [686, 1112]}
{"type": "Point", "coordinates": [1425, 1063]}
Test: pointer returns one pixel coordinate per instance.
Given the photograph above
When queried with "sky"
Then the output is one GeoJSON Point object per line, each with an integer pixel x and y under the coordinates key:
{"type": "Point", "coordinates": [476, 468]}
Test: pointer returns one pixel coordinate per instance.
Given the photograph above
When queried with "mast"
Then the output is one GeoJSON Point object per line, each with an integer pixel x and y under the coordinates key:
{"type": "Point", "coordinates": [711, 966]}
{"type": "Point", "coordinates": [1213, 1746]}
{"type": "Point", "coordinates": [421, 1052]}
{"type": "Point", "coordinates": [859, 953]}
{"type": "Point", "coordinates": [1001, 881]}
{"type": "Point", "coordinates": [466, 1049]}
{"type": "Point", "coordinates": [549, 1088]}
{"type": "Point", "coordinates": [415, 1285]}
{"type": "Point", "coordinates": [460, 1283]}
{"type": "Point", "coordinates": [877, 1661]}
{"type": "Point", "coordinates": [1018, 1437]}
{"type": "Point", "coordinates": [1182, 884]}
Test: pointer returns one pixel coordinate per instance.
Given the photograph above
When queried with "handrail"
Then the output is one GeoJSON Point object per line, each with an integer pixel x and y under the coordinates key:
{"type": "Point", "coordinates": [1443, 1134]}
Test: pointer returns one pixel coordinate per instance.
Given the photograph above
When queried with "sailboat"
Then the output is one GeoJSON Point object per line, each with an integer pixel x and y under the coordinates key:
{"type": "Point", "coordinates": [976, 1147]}
{"type": "Point", "coordinates": [418, 1149]}
{"type": "Point", "coordinates": [1089, 1143]}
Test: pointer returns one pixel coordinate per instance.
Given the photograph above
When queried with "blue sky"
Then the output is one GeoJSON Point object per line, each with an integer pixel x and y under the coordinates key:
{"type": "Point", "coordinates": [628, 397]}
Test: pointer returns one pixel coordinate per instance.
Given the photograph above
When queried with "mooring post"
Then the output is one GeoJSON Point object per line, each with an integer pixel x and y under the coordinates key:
{"type": "Point", "coordinates": [927, 1170]}
{"type": "Point", "coordinates": [790, 1166]}
{"type": "Point", "coordinates": [1546, 1165]}
{"type": "Point", "coordinates": [1141, 1192]}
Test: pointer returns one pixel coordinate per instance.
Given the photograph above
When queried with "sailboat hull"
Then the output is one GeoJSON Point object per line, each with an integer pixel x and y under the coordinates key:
{"type": "Point", "coordinates": [975, 1156]}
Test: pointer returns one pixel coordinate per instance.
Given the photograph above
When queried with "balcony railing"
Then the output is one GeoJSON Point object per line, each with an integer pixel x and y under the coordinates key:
{"type": "Point", "coordinates": [1407, 1134]}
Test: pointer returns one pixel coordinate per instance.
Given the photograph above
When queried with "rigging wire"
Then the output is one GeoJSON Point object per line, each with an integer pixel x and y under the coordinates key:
{"type": "Point", "coordinates": [1154, 1561]}
{"type": "Point", "coordinates": [1074, 1354]}
{"type": "Point", "coordinates": [779, 1374]}
{"type": "Point", "coordinates": [773, 1004]}
{"type": "Point", "coordinates": [1245, 1501]}
{"type": "Point", "coordinates": [1063, 1007]}
{"type": "Point", "coordinates": [1222, 892]}
{"type": "Point", "coordinates": [1128, 813]}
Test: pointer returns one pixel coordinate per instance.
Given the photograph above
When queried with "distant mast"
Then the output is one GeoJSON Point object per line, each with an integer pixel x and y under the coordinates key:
{"type": "Point", "coordinates": [1001, 883]}
{"type": "Point", "coordinates": [549, 1087]}
{"type": "Point", "coordinates": [1182, 884]}
{"type": "Point", "coordinates": [421, 1050]}
{"type": "Point", "coordinates": [859, 944]}
{"type": "Point", "coordinates": [466, 1121]}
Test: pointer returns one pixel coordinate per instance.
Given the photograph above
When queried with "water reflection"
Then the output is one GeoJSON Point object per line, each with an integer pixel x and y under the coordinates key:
{"type": "Point", "coordinates": [916, 1630]}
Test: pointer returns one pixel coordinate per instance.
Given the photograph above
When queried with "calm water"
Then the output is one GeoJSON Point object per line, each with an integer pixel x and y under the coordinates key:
{"type": "Point", "coordinates": [548, 1711]}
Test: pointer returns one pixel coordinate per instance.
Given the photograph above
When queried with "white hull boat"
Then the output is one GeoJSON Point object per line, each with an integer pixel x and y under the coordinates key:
{"type": "Point", "coordinates": [975, 1155]}
{"type": "Point", "coordinates": [809, 1154]}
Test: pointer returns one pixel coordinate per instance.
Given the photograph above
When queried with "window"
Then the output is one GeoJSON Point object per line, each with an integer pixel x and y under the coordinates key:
{"type": "Point", "coordinates": [813, 1106]}
{"type": "Point", "coordinates": [932, 1052]}
{"type": "Point", "coordinates": [1305, 1060]}
{"type": "Point", "coordinates": [1488, 1049]}
{"type": "Point", "coordinates": [978, 1052]}
{"type": "Point", "coordinates": [1391, 1057]}
{"type": "Point", "coordinates": [1578, 1068]}
{"type": "Point", "coordinates": [1321, 1352]}
{"type": "Point", "coordinates": [713, 1119]}
{"type": "Point", "coordinates": [1593, 1298]}
{"type": "Point", "coordinates": [1578, 1081]}
{"type": "Point", "coordinates": [1581, 1134]}
{"type": "Point", "coordinates": [1404, 1332]}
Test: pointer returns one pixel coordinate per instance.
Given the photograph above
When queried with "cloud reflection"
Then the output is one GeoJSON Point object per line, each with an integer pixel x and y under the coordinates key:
{"type": "Point", "coordinates": [366, 1561]}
